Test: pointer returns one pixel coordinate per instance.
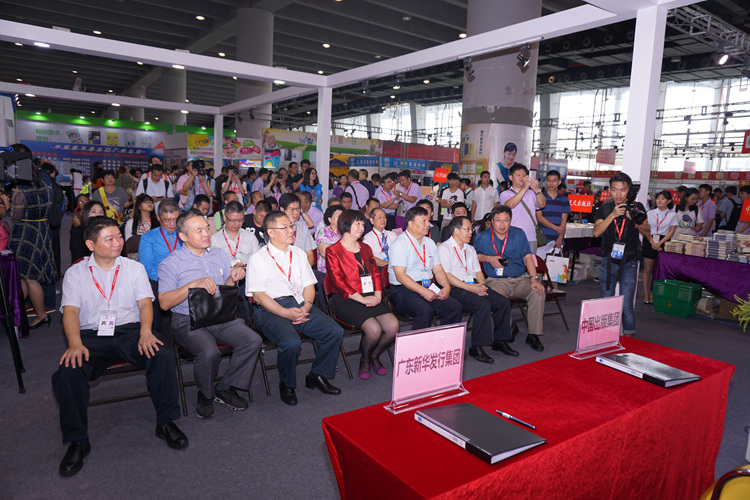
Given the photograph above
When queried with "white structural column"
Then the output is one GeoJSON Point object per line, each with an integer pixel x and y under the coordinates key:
{"type": "Point", "coordinates": [648, 51]}
{"type": "Point", "coordinates": [174, 88]}
{"type": "Point", "coordinates": [323, 148]}
{"type": "Point", "coordinates": [218, 142]}
{"type": "Point", "coordinates": [254, 45]}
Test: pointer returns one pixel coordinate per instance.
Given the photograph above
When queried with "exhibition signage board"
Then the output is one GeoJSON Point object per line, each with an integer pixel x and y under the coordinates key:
{"type": "Point", "coordinates": [599, 327]}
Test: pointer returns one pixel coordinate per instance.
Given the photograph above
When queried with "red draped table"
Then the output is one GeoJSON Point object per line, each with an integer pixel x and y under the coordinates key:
{"type": "Point", "coordinates": [721, 277]}
{"type": "Point", "coordinates": [609, 435]}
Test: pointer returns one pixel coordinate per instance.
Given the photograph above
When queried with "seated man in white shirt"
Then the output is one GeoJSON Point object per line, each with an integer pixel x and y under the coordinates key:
{"type": "Point", "coordinates": [379, 239]}
{"type": "Point", "coordinates": [282, 285]}
{"type": "Point", "coordinates": [107, 315]}
{"type": "Point", "coordinates": [290, 204]}
{"type": "Point", "coordinates": [461, 265]}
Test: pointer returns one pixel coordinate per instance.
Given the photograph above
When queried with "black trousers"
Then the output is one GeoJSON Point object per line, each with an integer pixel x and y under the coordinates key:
{"type": "Point", "coordinates": [71, 385]}
{"type": "Point", "coordinates": [162, 318]}
{"type": "Point", "coordinates": [494, 305]}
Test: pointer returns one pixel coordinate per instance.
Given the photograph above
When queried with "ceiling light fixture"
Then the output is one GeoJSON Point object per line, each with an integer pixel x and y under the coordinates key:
{"type": "Point", "coordinates": [156, 118]}
{"type": "Point", "coordinates": [184, 111]}
{"type": "Point", "coordinates": [397, 81]}
{"type": "Point", "coordinates": [366, 88]}
{"type": "Point", "coordinates": [393, 97]}
{"type": "Point", "coordinates": [42, 45]}
{"type": "Point", "coordinates": [97, 32]}
{"type": "Point", "coordinates": [30, 95]}
{"type": "Point", "coordinates": [76, 72]}
{"type": "Point", "coordinates": [178, 66]}
{"type": "Point", "coordinates": [320, 71]}
{"type": "Point", "coordinates": [203, 127]}
{"type": "Point", "coordinates": [309, 112]}
{"type": "Point", "coordinates": [116, 104]}
{"type": "Point", "coordinates": [18, 80]}
{"type": "Point", "coordinates": [234, 78]}
{"type": "Point", "coordinates": [81, 117]}
{"type": "Point", "coordinates": [19, 44]}
{"type": "Point", "coordinates": [279, 82]}
{"type": "Point", "coordinates": [720, 57]}
{"type": "Point", "coordinates": [462, 35]}
{"type": "Point", "coordinates": [326, 45]}
{"type": "Point", "coordinates": [222, 54]}
{"type": "Point", "coordinates": [426, 81]}
{"type": "Point", "coordinates": [139, 63]}
{"type": "Point", "coordinates": [200, 18]}
{"type": "Point", "coordinates": [523, 61]}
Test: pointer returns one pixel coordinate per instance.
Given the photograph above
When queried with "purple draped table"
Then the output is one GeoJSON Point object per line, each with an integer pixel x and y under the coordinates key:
{"type": "Point", "coordinates": [12, 280]}
{"type": "Point", "coordinates": [721, 277]}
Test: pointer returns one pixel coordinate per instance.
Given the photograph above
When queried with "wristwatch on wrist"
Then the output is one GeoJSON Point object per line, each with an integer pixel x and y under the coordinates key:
{"type": "Point", "coordinates": [538, 192]}
{"type": "Point", "coordinates": [535, 277]}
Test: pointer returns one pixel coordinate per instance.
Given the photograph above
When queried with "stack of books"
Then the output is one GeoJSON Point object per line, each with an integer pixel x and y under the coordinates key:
{"type": "Point", "coordinates": [674, 246]}
{"type": "Point", "coordinates": [719, 249]}
{"type": "Point", "coordinates": [695, 249]}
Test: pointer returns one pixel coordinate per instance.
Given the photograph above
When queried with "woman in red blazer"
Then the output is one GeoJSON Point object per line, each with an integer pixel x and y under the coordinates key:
{"type": "Point", "coordinates": [356, 288]}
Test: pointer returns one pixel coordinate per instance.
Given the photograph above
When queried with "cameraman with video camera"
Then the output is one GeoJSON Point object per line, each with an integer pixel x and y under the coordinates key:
{"type": "Point", "coordinates": [618, 221]}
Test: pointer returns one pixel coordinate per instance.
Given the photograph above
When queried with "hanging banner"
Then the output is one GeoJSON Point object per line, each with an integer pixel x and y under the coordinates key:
{"type": "Point", "coordinates": [745, 214]}
{"type": "Point", "coordinates": [202, 146]}
{"type": "Point", "coordinates": [606, 156]}
{"type": "Point", "coordinates": [274, 139]}
{"type": "Point", "coordinates": [441, 175]}
{"type": "Point", "coordinates": [746, 142]}
{"type": "Point", "coordinates": [68, 133]}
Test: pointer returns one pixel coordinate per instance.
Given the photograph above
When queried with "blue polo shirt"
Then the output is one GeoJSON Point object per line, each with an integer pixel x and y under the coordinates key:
{"type": "Point", "coordinates": [183, 266]}
{"type": "Point", "coordinates": [553, 212]}
{"type": "Point", "coordinates": [152, 249]}
{"type": "Point", "coordinates": [515, 250]}
{"type": "Point", "coordinates": [403, 254]}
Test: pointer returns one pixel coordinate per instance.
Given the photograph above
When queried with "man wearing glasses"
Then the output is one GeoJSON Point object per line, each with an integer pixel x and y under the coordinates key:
{"type": "Point", "coordinates": [237, 243]}
{"type": "Point", "coordinates": [301, 238]}
{"type": "Point", "coordinates": [282, 284]}
{"type": "Point", "coordinates": [509, 264]}
{"type": "Point", "coordinates": [459, 260]}
{"type": "Point", "coordinates": [155, 246]}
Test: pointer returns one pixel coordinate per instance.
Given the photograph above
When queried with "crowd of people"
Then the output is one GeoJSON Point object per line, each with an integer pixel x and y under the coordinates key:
{"type": "Point", "coordinates": [153, 250]}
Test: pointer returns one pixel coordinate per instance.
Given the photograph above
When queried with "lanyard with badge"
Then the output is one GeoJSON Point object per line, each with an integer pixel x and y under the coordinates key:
{"type": "Point", "coordinates": [167, 242]}
{"type": "Point", "coordinates": [294, 289]}
{"type": "Point", "coordinates": [618, 249]}
{"type": "Point", "coordinates": [657, 236]}
{"type": "Point", "coordinates": [425, 274]}
{"type": "Point", "coordinates": [237, 246]}
{"type": "Point", "coordinates": [383, 242]}
{"type": "Point", "coordinates": [108, 318]}
{"type": "Point", "coordinates": [499, 270]}
{"type": "Point", "coordinates": [365, 277]}
{"type": "Point", "coordinates": [468, 278]}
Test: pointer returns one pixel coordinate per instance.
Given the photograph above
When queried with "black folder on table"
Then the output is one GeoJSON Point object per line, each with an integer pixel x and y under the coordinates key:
{"type": "Point", "coordinates": [646, 368]}
{"type": "Point", "coordinates": [481, 433]}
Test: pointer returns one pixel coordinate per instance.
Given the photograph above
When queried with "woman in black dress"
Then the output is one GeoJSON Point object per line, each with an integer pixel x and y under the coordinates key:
{"type": "Point", "coordinates": [355, 283]}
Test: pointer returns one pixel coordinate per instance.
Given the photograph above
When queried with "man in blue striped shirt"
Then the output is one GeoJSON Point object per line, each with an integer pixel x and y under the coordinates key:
{"type": "Point", "coordinates": [554, 216]}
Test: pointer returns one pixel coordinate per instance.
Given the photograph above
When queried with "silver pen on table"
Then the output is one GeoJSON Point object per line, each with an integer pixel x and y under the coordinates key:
{"type": "Point", "coordinates": [514, 419]}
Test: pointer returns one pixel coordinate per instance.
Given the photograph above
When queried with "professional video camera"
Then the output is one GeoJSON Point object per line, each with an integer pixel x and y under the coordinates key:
{"type": "Point", "coordinates": [638, 215]}
{"type": "Point", "coordinates": [200, 167]}
{"type": "Point", "coordinates": [15, 165]}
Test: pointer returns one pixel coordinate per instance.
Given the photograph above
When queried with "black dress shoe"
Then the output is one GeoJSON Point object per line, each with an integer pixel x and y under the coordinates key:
{"type": "Point", "coordinates": [533, 340]}
{"type": "Point", "coordinates": [46, 321]}
{"type": "Point", "coordinates": [321, 383]}
{"type": "Point", "coordinates": [288, 395]}
{"type": "Point", "coordinates": [479, 354]}
{"type": "Point", "coordinates": [172, 434]}
{"type": "Point", "coordinates": [513, 331]}
{"type": "Point", "coordinates": [72, 462]}
{"type": "Point", "coordinates": [503, 347]}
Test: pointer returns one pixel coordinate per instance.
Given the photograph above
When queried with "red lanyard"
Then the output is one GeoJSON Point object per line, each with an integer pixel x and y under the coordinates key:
{"type": "Point", "coordinates": [379, 239]}
{"type": "Point", "coordinates": [658, 222]}
{"type": "Point", "coordinates": [165, 241]}
{"type": "Point", "coordinates": [505, 242]}
{"type": "Point", "coordinates": [465, 261]}
{"type": "Point", "coordinates": [388, 198]}
{"type": "Point", "coordinates": [422, 257]}
{"type": "Point", "coordinates": [619, 229]}
{"type": "Point", "coordinates": [114, 281]}
{"type": "Point", "coordinates": [237, 247]}
{"type": "Point", "coordinates": [289, 275]}
{"type": "Point", "coordinates": [295, 233]}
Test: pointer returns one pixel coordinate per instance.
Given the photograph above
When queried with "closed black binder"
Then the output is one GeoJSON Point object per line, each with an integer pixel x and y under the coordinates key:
{"type": "Point", "coordinates": [481, 433]}
{"type": "Point", "coordinates": [646, 368]}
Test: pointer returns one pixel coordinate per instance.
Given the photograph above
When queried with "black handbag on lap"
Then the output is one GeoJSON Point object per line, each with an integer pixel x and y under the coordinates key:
{"type": "Point", "coordinates": [207, 310]}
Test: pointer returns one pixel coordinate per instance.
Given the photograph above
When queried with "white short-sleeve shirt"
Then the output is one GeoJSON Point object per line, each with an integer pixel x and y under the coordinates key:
{"type": "Point", "coordinates": [263, 273]}
{"type": "Point", "coordinates": [460, 261]}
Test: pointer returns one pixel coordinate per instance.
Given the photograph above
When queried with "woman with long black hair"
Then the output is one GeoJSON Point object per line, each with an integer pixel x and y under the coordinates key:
{"type": "Point", "coordinates": [689, 218]}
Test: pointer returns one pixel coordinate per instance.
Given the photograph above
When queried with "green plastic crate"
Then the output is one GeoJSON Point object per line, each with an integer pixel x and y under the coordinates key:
{"type": "Point", "coordinates": [672, 289]}
{"type": "Point", "coordinates": [675, 307]}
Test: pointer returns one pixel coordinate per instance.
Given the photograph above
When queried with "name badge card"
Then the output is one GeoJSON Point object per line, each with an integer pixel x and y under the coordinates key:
{"type": "Point", "coordinates": [426, 278]}
{"type": "Point", "coordinates": [367, 286]}
{"type": "Point", "coordinates": [296, 293]}
{"type": "Point", "coordinates": [618, 249]}
{"type": "Point", "coordinates": [499, 271]}
{"type": "Point", "coordinates": [469, 279]}
{"type": "Point", "coordinates": [656, 238]}
{"type": "Point", "coordinates": [435, 288]}
{"type": "Point", "coordinates": [107, 322]}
